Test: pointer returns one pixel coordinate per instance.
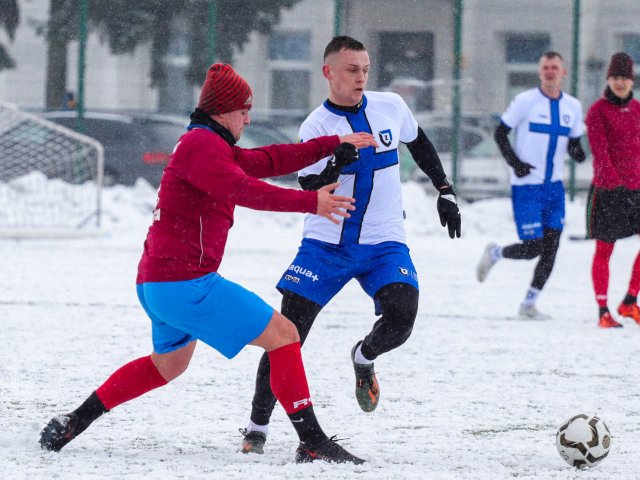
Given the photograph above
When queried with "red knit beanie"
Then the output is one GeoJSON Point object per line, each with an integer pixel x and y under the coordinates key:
{"type": "Point", "coordinates": [621, 65]}
{"type": "Point", "coordinates": [224, 91]}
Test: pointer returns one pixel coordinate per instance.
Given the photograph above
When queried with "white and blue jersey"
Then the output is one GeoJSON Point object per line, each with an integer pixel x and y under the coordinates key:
{"type": "Point", "coordinates": [370, 245]}
{"type": "Point", "coordinates": [374, 180]}
{"type": "Point", "coordinates": [542, 127]}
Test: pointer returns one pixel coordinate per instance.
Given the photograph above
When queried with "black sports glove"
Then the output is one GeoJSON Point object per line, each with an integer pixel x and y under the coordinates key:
{"type": "Point", "coordinates": [448, 211]}
{"type": "Point", "coordinates": [522, 169]}
{"type": "Point", "coordinates": [575, 150]}
{"type": "Point", "coordinates": [345, 154]}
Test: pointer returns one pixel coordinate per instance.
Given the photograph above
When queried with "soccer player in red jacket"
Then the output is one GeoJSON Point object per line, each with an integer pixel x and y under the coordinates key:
{"type": "Point", "coordinates": [613, 127]}
{"type": "Point", "coordinates": [177, 283]}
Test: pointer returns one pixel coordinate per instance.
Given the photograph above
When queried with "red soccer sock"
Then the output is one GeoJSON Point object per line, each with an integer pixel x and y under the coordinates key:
{"type": "Point", "coordinates": [634, 283]}
{"type": "Point", "coordinates": [288, 379]}
{"type": "Point", "coordinates": [600, 271]}
{"type": "Point", "coordinates": [130, 381]}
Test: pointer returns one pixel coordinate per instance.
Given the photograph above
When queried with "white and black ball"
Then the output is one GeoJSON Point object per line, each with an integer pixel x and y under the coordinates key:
{"type": "Point", "coordinates": [583, 441]}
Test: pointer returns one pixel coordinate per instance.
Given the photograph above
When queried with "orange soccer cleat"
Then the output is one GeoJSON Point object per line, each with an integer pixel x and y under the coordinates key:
{"type": "Point", "coordinates": [630, 311]}
{"type": "Point", "coordinates": [607, 321]}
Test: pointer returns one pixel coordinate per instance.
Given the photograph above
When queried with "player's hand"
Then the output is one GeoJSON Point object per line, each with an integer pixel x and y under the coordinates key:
{"type": "Point", "coordinates": [448, 211]}
{"type": "Point", "coordinates": [344, 155]}
{"type": "Point", "coordinates": [522, 169]}
{"type": "Point", "coordinates": [330, 204]}
{"type": "Point", "coordinates": [359, 140]}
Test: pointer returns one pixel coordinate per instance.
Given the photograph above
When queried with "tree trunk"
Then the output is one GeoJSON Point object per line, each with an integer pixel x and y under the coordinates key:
{"type": "Point", "coordinates": [57, 42]}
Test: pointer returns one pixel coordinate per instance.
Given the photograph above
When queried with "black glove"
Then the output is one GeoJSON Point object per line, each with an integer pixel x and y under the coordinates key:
{"type": "Point", "coordinates": [344, 155]}
{"type": "Point", "coordinates": [448, 211]}
{"type": "Point", "coordinates": [522, 169]}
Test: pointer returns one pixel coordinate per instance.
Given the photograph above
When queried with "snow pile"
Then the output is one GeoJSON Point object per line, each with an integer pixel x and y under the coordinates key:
{"type": "Point", "coordinates": [474, 393]}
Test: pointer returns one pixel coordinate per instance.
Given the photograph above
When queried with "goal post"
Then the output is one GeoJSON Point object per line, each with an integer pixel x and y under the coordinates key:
{"type": "Point", "coordinates": [50, 178]}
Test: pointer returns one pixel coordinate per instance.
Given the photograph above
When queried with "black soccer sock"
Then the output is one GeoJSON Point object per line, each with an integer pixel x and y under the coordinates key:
{"type": "Point", "coordinates": [91, 409]}
{"type": "Point", "coordinates": [629, 299]}
{"type": "Point", "coordinates": [524, 251]}
{"type": "Point", "coordinates": [603, 310]}
{"type": "Point", "coordinates": [542, 272]}
{"type": "Point", "coordinates": [307, 426]}
{"type": "Point", "coordinates": [398, 304]}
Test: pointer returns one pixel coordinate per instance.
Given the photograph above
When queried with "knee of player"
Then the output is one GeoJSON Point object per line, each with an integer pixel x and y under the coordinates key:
{"type": "Point", "coordinates": [171, 371]}
{"type": "Point", "coordinates": [179, 370]}
{"type": "Point", "coordinates": [534, 248]}
{"type": "Point", "coordinates": [402, 321]}
{"type": "Point", "coordinates": [403, 332]}
{"type": "Point", "coordinates": [287, 331]}
{"type": "Point", "coordinates": [551, 240]}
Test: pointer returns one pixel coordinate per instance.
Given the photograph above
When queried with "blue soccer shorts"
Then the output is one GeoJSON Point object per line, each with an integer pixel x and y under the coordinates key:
{"type": "Point", "coordinates": [221, 313]}
{"type": "Point", "coordinates": [321, 269]}
{"type": "Point", "coordinates": [536, 207]}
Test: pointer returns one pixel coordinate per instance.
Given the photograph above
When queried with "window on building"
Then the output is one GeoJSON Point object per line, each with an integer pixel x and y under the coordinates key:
{"type": "Point", "coordinates": [526, 48]}
{"type": "Point", "coordinates": [290, 46]}
{"type": "Point", "coordinates": [522, 53]}
{"type": "Point", "coordinates": [406, 67]}
{"type": "Point", "coordinates": [631, 45]}
{"type": "Point", "coordinates": [520, 81]}
{"type": "Point", "coordinates": [290, 70]}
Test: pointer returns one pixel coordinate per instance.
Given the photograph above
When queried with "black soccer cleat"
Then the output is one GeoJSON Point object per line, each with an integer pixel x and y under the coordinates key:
{"type": "Point", "coordinates": [253, 442]}
{"type": "Point", "coordinates": [60, 430]}
{"type": "Point", "coordinates": [367, 388]}
{"type": "Point", "coordinates": [327, 451]}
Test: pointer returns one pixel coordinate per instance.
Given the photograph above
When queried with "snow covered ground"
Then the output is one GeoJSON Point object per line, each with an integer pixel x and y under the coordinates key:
{"type": "Point", "coordinates": [474, 393]}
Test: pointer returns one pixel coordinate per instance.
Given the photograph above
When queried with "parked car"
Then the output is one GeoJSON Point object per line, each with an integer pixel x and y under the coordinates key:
{"type": "Point", "coordinates": [440, 135]}
{"type": "Point", "coordinates": [264, 132]}
{"type": "Point", "coordinates": [134, 145]}
{"type": "Point", "coordinates": [141, 145]}
{"type": "Point", "coordinates": [258, 134]}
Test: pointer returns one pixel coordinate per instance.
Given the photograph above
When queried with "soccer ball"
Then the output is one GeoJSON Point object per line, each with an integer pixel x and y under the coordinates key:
{"type": "Point", "coordinates": [583, 441]}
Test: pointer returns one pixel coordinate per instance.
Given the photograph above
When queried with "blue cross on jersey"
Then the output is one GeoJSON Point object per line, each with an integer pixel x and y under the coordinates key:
{"type": "Point", "coordinates": [363, 170]}
{"type": "Point", "coordinates": [554, 130]}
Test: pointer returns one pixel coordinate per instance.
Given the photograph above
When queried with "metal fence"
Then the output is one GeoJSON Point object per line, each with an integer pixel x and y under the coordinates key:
{"type": "Point", "coordinates": [457, 63]}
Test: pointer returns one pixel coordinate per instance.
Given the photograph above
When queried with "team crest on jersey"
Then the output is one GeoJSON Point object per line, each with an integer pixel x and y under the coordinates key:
{"type": "Point", "coordinates": [566, 119]}
{"type": "Point", "coordinates": [385, 137]}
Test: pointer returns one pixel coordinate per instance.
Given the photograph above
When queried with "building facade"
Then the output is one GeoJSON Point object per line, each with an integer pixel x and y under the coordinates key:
{"type": "Point", "coordinates": [410, 44]}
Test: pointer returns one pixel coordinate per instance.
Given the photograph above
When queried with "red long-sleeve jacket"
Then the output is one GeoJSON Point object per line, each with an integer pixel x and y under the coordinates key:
{"type": "Point", "coordinates": [614, 137]}
{"type": "Point", "coordinates": [203, 182]}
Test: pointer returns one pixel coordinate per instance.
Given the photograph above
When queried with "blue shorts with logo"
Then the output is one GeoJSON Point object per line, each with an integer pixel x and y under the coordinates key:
{"type": "Point", "coordinates": [536, 207]}
{"type": "Point", "coordinates": [221, 313]}
{"type": "Point", "coordinates": [321, 269]}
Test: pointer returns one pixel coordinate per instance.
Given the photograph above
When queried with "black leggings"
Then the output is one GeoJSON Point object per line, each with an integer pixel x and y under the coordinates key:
{"type": "Point", "coordinates": [398, 303]}
{"type": "Point", "coordinates": [546, 248]}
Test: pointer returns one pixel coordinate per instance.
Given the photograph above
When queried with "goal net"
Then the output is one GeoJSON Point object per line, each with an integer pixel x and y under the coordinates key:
{"type": "Point", "coordinates": [50, 178]}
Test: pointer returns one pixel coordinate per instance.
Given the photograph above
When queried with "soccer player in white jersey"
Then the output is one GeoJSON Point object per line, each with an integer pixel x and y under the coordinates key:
{"type": "Point", "coordinates": [370, 247]}
{"type": "Point", "coordinates": [548, 124]}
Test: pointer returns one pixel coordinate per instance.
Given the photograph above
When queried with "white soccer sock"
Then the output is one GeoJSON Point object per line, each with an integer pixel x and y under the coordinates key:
{"type": "Point", "coordinates": [254, 427]}
{"type": "Point", "coordinates": [496, 253]}
{"type": "Point", "coordinates": [361, 359]}
{"type": "Point", "coordinates": [531, 297]}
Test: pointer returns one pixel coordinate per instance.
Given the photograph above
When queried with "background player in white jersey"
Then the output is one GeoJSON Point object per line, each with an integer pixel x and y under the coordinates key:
{"type": "Point", "coordinates": [370, 247]}
{"type": "Point", "coordinates": [547, 124]}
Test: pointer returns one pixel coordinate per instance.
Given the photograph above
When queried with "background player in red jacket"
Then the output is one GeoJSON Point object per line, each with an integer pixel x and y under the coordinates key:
{"type": "Point", "coordinates": [613, 126]}
{"type": "Point", "coordinates": [177, 282]}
